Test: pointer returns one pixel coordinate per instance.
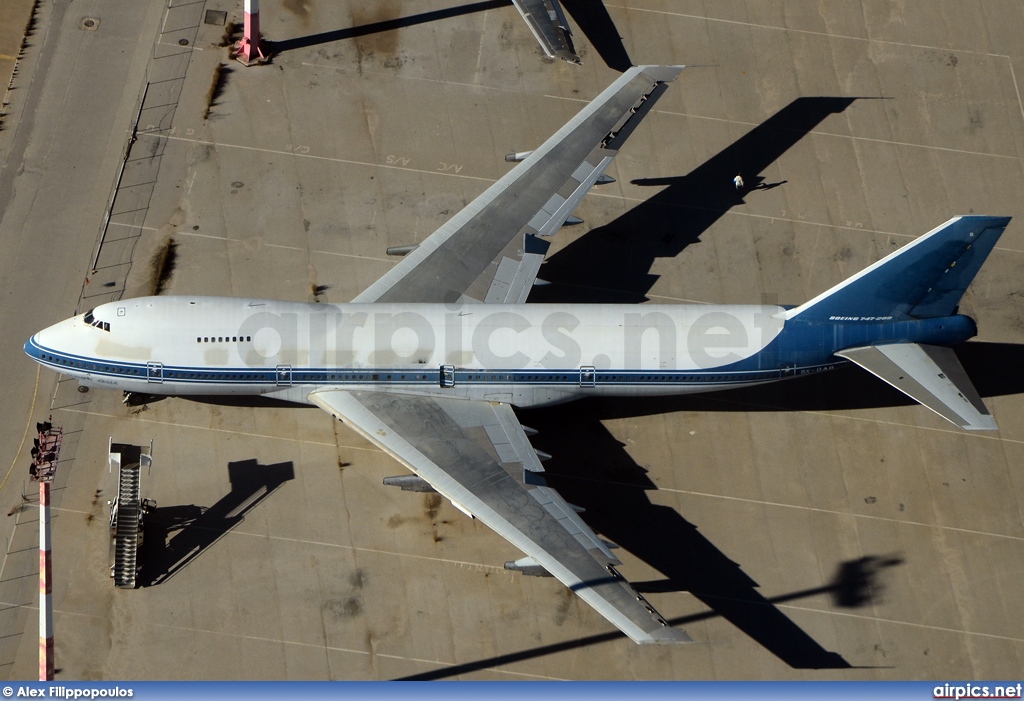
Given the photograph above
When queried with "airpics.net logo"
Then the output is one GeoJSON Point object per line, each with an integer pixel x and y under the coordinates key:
{"type": "Point", "coordinates": [967, 690]}
{"type": "Point", "coordinates": [465, 336]}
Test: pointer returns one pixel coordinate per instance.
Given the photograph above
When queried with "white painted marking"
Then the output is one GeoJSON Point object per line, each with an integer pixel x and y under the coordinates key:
{"type": "Point", "coordinates": [282, 641]}
{"type": "Point", "coordinates": [217, 430]}
{"type": "Point", "coordinates": [132, 226]}
{"type": "Point", "coordinates": [811, 32]}
{"type": "Point", "coordinates": [289, 248]}
{"type": "Point", "coordinates": [309, 155]}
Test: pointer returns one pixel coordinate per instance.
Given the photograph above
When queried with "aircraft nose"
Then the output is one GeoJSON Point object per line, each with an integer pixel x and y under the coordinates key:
{"type": "Point", "coordinates": [49, 339]}
{"type": "Point", "coordinates": [33, 348]}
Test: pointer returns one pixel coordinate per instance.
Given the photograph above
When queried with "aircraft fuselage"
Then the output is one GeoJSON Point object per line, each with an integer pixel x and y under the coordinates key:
{"type": "Point", "coordinates": [525, 355]}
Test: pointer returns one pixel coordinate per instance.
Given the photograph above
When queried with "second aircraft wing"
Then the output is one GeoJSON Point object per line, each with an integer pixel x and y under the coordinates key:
{"type": "Point", "coordinates": [477, 455]}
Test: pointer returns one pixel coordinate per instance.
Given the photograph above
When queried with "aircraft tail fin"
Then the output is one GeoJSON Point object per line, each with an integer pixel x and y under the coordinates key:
{"type": "Point", "coordinates": [924, 279]}
{"type": "Point", "coordinates": [930, 374]}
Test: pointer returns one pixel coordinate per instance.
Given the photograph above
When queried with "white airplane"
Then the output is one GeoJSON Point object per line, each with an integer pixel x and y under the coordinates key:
{"type": "Point", "coordinates": [428, 362]}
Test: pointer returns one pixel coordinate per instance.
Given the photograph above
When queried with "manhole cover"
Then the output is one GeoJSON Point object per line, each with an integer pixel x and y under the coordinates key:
{"type": "Point", "coordinates": [182, 42]}
{"type": "Point", "coordinates": [218, 17]}
{"type": "Point", "coordinates": [89, 24]}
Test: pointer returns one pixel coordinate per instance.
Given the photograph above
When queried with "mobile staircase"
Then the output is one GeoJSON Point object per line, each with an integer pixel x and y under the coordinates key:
{"type": "Point", "coordinates": [127, 511]}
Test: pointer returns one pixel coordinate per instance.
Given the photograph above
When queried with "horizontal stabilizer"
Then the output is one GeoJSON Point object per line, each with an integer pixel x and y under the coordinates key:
{"type": "Point", "coordinates": [931, 375]}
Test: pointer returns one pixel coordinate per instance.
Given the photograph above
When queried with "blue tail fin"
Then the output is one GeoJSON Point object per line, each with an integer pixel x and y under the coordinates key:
{"type": "Point", "coordinates": [924, 279]}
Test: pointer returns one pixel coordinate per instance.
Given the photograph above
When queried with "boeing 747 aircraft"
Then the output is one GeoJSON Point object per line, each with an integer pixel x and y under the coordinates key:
{"type": "Point", "coordinates": [429, 361]}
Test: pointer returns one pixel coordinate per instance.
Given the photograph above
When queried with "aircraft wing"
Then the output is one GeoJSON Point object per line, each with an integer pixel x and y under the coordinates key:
{"type": "Point", "coordinates": [492, 249]}
{"type": "Point", "coordinates": [477, 455]}
{"type": "Point", "coordinates": [547, 22]}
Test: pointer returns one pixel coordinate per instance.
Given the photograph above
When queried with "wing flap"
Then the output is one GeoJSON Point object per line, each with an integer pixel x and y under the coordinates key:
{"type": "Point", "coordinates": [932, 375]}
{"type": "Point", "coordinates": [439, 440]}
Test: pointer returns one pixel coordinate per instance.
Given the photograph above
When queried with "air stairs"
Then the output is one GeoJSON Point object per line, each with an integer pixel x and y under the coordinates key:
{"type": "Point", "coordinates": [127, 511]}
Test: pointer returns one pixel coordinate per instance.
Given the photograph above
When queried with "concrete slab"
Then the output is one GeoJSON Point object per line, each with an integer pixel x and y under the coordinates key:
{"type": "Point", "coordinates": [823, 528]}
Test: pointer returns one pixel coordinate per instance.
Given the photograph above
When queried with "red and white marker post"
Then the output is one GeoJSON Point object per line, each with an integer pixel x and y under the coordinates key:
{"type": "Point", "coordinates": [252, 49]}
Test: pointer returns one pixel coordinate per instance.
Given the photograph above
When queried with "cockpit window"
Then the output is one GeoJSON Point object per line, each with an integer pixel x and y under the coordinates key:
{"type": "Point", "coordinates": [93, 321]}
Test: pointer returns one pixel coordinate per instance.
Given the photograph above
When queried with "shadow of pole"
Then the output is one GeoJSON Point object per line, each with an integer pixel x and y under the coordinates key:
{"type": "Point", "coordinates": [196, 528]}
{"type": "Point", "coordinates": [856, 578]}
{"type": "Point", "coordinates": [385, 25]}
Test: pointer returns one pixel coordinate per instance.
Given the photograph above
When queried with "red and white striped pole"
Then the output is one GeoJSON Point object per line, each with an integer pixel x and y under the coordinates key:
{"type": "Point", "coordinates": [250, 49]}
{"type": "Point", "coordinates": [45, 587]}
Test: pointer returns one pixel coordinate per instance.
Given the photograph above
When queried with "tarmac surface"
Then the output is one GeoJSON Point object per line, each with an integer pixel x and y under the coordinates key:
{"type": "Point", "coordinates": [823, 528]}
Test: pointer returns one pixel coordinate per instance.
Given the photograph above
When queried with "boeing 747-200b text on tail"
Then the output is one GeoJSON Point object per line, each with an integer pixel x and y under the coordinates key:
{"type": "Point", "coordinates": [428, 362]}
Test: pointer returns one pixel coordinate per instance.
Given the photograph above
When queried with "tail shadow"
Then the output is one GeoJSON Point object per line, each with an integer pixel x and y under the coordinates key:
{"type": "Point", "coordinates": [194, 529]}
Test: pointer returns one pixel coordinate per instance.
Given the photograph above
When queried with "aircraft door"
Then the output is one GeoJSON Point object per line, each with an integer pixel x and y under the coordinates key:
{"type": "Point", "coordinates": [154, 372]}
{"type": "Point", "coordinates": [284, 375]}
{"type": "Point", "coordinates": [588, 375]}
{"type": "Point", "coordinates": [447, 375]}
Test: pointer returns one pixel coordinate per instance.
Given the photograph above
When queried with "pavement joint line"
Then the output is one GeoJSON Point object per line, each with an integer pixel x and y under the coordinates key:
{"type": "Point", "coordinates": [282, 641]}
{"type": "Point", "coordinates": [716, 119]}
{"type": "Point", "coordinates": [809, 31]}
{"type": "Point", "coordinates": [220, 430]}
{"type": "Point", "coordinates": [772, 217]}
{"type": "Point", "coordinates": [851, 137]}
{"type": "Point", "coordinates": [878, 619]}
{"type": "Point", "coordinates": [832, 512]}
{"type": "Point", "coordinates": [132, 226]}
{"type": "Point", "coordinates": [897, 424]}
{"type": "Point", "coordinates": [1020, 104]}
{"type": "Point", "coordinates": [833, 415]}
{"type": "Point", "coordinates": [289, 248]}
{"type": "Point", "coordinates": [490, 180]}
{"type": "Point", "coordinates": [28, 424]}
{"type": "Point", "coordinates": [332, 159]}
{"type": "Point", "coordinates": [354, 548]}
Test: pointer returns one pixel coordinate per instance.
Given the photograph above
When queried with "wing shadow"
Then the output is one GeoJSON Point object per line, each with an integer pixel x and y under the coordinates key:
{"type": "Point", "coordinates": [612, 263]}
{"type": "Point", "coordinates": [176, 535]}
{"type": "Point", "coordinates": [601, 477]}
{"type": "Point", "coordinates": [856, 582]}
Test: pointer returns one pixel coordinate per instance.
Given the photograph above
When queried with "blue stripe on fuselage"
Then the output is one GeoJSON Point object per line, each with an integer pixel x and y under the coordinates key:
{"type": "Point", "coordinates": [801, 348]}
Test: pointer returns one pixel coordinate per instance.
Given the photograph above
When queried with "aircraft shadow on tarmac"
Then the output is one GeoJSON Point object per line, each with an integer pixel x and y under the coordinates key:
{"type": "Point", "coordinates": [176, 535]}
{"type": "Point", "coordinates": [612, 263]}
{"type": "Point", "coordinates": [855, 584]}
{"type": "Point", "coordinates": [596, 473]}
{"type": "Point", "coordinates": [592, 17]}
